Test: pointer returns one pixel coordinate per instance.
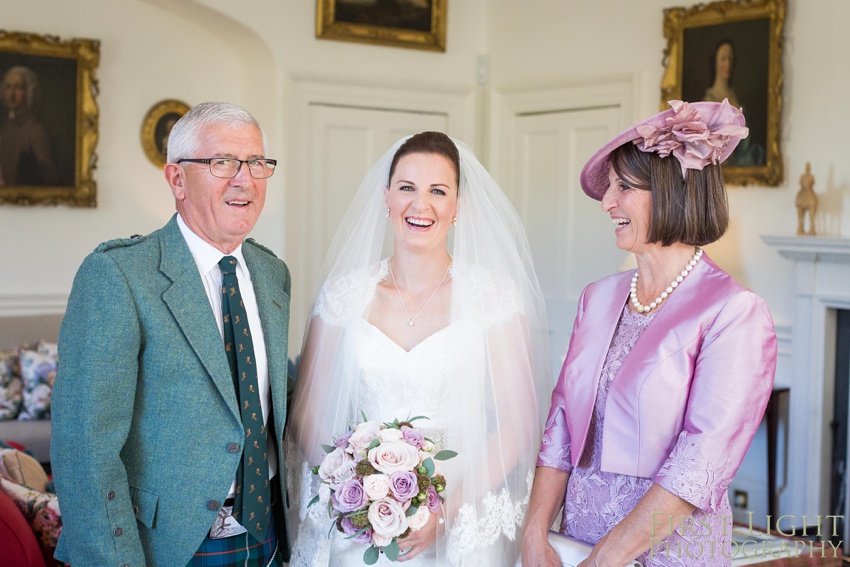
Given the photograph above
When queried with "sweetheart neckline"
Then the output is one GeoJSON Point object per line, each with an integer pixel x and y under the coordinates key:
{"type": "Point", "coordinates": [414, 347]}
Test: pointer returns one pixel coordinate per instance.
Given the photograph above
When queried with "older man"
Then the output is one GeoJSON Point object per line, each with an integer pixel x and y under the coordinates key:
{"type": "Point", "coordinates": [170, 401]}
{"type": "Point", "coordinates": [26, 150]}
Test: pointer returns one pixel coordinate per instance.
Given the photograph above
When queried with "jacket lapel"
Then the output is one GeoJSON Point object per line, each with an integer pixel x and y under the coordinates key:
{"type": "Point", "coordinates": [187, 300]}
{"type": "Point", "coordinates": [273, 304]}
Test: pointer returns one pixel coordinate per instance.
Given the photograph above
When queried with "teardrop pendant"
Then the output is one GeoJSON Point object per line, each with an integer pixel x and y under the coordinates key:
{"type": "Point", "coordinates": [410, 320]}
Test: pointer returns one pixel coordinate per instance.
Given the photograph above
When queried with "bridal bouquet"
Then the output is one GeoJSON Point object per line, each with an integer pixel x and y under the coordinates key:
{"type": "Point", "coordinates": [379, 482]}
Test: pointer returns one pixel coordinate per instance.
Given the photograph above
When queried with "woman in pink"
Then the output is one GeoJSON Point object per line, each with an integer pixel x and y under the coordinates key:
{"type": "Point", "coordinates": [669, 367]}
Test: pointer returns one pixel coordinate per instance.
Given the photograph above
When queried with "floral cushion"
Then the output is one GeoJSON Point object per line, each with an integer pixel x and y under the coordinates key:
{"type": "Point", "coordinates": [11, 386]}
{"type": "Point", "coordinates": [38, 372]}
{"type": "Point", "coordinates": [41, 509]}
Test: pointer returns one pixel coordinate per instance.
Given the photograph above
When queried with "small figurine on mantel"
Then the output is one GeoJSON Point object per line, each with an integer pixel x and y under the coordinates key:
{"type": "Point", "coordinates": [807, 201]}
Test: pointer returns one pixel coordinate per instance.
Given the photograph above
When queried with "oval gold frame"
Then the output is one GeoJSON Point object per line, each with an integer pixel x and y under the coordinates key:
{"type": "Point", "coordinates": [151, 121]}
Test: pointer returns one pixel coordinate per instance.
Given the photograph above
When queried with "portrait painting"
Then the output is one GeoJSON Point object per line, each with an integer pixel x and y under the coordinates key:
{"type": "Point", "coordinates": [419, 24]}
{"type": "Point", "coordinates": [732, 51]}
{"type": "Point", "coordinates": [48, 119]}
{"type": "Point", "coordinates": [156, 127]}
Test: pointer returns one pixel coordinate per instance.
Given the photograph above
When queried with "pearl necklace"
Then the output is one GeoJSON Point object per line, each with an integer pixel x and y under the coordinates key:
{"type": "Point", "coordinates": [640, 308]}
{"type": "Point", "coordinates": [412, 320]}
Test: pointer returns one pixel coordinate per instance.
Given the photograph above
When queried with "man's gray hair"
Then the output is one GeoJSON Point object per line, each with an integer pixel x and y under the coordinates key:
{"type": "Point", "coordinates": [30, 78]}
{"type": "Point", "coordinates": [184, 139]}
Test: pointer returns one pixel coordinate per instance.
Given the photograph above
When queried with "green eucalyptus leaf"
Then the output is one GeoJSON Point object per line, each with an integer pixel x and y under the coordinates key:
{"type": "Point", "coordinates": [429, 466]}
{"type": "Point", "coordinates": [370, 556]}
{"type": "Point", "coordinates": [411, 510]}
{"type": "Point", "coordinates": [375, 442]}
{"type": "Point", "coordinates": [392, 550]}
{"type": "Point", "coordinates": [445, 455]}
{"type": "Point", "coordinates": [328, 448]}
{"type": "Point", "coordinates": [313, 501]}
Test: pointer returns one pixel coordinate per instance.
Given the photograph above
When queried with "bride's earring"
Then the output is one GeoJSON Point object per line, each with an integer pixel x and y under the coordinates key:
{"type": "Point", "coordinates": [454, 220]}
{"type": "Point", "coordinates": [388, 212]}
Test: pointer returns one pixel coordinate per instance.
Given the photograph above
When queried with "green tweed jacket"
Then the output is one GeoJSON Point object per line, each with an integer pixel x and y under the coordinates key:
{"type": "Point", "coordinates": [146, 429]}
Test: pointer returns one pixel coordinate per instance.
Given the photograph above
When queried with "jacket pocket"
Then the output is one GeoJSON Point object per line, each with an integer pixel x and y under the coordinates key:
{"type": "Point", "coordinates": [144, 505]}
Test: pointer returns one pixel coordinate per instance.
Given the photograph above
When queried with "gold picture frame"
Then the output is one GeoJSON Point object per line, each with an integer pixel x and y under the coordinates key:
{"type": "Point", "coordinates": [418, 25]}
{"type": "Point", "coordinates": [48, 120]}
{"type": "Point", "coordinates": [157, 126]}
{"type": "Point", "coordinates": [732, 49]}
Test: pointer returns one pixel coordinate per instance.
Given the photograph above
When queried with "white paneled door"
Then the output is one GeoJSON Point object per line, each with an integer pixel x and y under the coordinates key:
{"type": "Point", "coordinates": [343, 141]}
{"type": "Point", "coordinates": [571, 238]}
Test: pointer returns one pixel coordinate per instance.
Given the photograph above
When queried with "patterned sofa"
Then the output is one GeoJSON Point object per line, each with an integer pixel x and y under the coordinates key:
{"type": "Point", "coordinates": [27, 366]}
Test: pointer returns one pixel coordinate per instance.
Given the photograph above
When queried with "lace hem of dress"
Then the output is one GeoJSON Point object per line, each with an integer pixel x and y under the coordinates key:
{"type": "Point", "coordinates": [692, 477]}
{"type": "Point", "coordinates": [311, 546]}
{"type": "Point", "coordinates": [501, 517]}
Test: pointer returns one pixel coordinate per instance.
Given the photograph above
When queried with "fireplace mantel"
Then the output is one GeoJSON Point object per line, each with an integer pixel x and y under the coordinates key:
{"type": "Point", "coordinates": [811, 248]}
{"type": "Point", "coordinates": [821, 286]}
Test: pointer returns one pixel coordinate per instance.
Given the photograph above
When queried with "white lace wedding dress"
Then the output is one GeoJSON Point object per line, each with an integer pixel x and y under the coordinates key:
{"type": "Point", "coordinates": [396, 383]}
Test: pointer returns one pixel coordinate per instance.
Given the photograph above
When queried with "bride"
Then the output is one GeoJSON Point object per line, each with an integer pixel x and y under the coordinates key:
{"type": "Point", "coordinates": [458, 337]}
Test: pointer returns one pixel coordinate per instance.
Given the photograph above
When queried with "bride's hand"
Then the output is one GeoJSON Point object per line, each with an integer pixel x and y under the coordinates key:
{"type": "Point", "coordinates": [420, 540]}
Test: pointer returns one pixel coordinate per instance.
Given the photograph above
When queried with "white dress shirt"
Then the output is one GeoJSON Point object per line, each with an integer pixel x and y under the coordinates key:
{"type": "Point", "coordinates": [207, 258]}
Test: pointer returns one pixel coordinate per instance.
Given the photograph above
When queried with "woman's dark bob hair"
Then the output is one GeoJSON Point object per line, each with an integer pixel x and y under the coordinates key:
{"type": "Point", "coordinates": [693, 211]}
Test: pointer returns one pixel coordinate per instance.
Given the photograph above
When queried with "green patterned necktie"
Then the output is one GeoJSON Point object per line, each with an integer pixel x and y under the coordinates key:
{"type": "Point", "coordinates": [252, 500]}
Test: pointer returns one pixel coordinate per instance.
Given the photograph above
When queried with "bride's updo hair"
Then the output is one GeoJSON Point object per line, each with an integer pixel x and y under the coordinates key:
{"type": "Point", "coordinates": [428, 143]}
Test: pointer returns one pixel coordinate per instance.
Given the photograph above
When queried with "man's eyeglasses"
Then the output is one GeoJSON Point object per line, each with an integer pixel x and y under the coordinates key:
{"type": "Point", "coordinates": [228, 168]}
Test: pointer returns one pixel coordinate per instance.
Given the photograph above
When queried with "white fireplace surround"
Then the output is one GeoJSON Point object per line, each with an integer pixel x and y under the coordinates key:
{"type": "Point", "coordinates": [821, 286]}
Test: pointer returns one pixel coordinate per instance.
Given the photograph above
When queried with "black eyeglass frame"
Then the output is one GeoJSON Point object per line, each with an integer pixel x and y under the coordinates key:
{"type": "Point", "coordinates": [208, 161]}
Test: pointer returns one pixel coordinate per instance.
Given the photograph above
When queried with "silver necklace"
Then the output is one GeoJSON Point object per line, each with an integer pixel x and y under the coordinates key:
{"type": "Point", "coordinates": [640, 308]}
{"type": "Point", "coordinates": [412, 319]}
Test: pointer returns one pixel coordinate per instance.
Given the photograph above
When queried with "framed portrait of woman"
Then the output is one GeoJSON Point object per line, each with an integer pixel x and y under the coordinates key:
{"type": "Point", "coordinates": [732, 50]}
{"type": "Point", "coordinates": [419, 24]}
{"type": "Point", "coordinates": [48, 120]}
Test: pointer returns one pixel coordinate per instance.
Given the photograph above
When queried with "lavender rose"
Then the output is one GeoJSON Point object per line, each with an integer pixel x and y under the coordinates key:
{"type": "Point", "coordinates": [349, 496]}
{"type": "Point", "coordinates": [404, 485]}
{"type": "Point", "coordinates": [350, 529]}
{"type": "Point", "coordinates": [412, 436]}
{"type": "Point", "coordinates": [387, 518]}
{"type": "Point", "coordinates": [341, 442]}
{"type": "Point", "coordinates": [432, 499]}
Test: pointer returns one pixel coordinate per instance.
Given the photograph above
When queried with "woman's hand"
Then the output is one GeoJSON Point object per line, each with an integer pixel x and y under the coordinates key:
{"type": "Point", "coordinates": [420, 540]}
{"type": "Point", "coordinates": [538, 552]}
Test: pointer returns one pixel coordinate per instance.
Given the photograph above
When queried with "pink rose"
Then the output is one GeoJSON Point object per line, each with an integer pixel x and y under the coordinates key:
{"type": "Point", "coordinates": [419, 518]}
{"type": "Point", "coordinates": [363, 434]}
{"type": "Point", "coordinates": [394, 457]}
{"type": "Point", "coordinates": [404, 485]}
{"type": "Point", "coordinates": [377, 486]}
{"type": "Point", "coordinates": [337, 467]}
{"type": "Point", "coordinates": [389, 434]}
{"type": "Point", "coordinates": [348, 497]}
{"type": "Point", "coordinates": [412, 436]}
{"type": "Point", "coordinates": [387, 518]}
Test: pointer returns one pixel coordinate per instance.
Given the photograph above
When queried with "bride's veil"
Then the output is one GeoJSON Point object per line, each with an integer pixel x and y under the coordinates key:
{"type": "Point", "coordinates": [493, 416]}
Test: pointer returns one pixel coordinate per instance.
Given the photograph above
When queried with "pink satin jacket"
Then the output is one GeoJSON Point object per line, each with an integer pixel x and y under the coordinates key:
{"type": "Point", "coordinates": [687, 401]}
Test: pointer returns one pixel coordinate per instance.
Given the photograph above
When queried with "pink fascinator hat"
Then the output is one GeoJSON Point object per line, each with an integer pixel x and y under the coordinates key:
{"type": "Point", "coordinates": [695, 133]}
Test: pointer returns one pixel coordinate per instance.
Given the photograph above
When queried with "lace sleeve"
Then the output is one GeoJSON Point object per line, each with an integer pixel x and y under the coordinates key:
{"type": "Point", "coordinates": [348, 295]}
{"type": "Point", "coordinates": [486, 297]}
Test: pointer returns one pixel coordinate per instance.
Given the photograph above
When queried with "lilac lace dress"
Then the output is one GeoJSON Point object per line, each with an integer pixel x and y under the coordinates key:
{"type": "Point", "coordinates": [597, 501]}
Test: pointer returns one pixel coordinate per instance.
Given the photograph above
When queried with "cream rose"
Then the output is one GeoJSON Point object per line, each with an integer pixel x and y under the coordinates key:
{"type": "Point", "coordinates": [336, 466]}
{"type": "Point", "coordinates": [389, 434]}
{"type": "Point", "coordinates": [362, 436]}
{"type": "Point", "coordinates": [387, 518]}
{"type": "Point", "coordinates": [380, 541]}
{"type": "Point", "coordinates": [377, 486]}
{"type": "Point", "coordinates": [419, 518]}
{"type": "Point", "coordinates": [393, 457]}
